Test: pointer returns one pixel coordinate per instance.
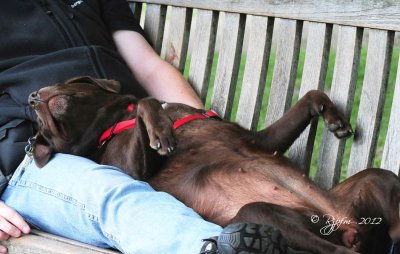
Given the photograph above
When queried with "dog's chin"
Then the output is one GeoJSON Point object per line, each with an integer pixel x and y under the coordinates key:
{"type": "Point", "coordinates": [51, 127]}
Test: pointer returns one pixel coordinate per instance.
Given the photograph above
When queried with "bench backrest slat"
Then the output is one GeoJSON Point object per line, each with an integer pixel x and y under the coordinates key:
{"type": "Point", "coordinates": [372, 98]}
{"type": "Point", "coordinates": [178, 37]}
{"type": "Point", "coordinates": [155, 23]}
{"type": "Point", "coordinates": [287, 54]}
{"type": "Point", "coordinates": [314, 74]}
{"type": "Point", "coordinates": [342, 93]}
{"type": "Point", "coordinates": [381, 14]}
{"type": "Point", "coordinates": [391, 156]}
{"type": "Point", "coordinates": [258, 51]}
{"type": "Point", "coordinates": [202, 57]}
{"type": "Point", "coordinates": [228, 63]}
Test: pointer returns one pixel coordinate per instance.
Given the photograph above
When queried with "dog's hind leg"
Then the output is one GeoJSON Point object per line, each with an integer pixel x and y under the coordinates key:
{"type": "Point", "coordinates": [281, 135]}
{"type": "Point", "coordinates": [295, 227]}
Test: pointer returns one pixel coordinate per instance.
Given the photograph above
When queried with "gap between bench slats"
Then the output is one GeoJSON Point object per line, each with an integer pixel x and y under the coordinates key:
{"type": "Point", "coordinates": [314, 74]}
{"type": "Point", "coordinates": [380, 47]}
{"type": "Point", "coordinates": [342, 94]}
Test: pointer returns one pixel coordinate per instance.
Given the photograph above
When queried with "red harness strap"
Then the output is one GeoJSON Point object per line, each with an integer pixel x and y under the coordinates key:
{"type": "Point", "coordinates": [129, 124]}
{"type": "Point", "coordinates": [117, 128]}
{"type": "Point", "coordinates": [209, 114]}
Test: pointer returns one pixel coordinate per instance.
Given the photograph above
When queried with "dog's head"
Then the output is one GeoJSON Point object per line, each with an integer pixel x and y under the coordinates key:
{"type": "Point", "coordinates": [67, 114]}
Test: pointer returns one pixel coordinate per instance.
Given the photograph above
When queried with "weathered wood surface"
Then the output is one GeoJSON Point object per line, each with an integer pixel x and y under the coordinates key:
{"type": "Point", "coordinates": [381, 14]}
{"type": "Point", "coordinates": [342, 93]}
{"type": "Point", "coordinates": [178, 37]}
{"type": "Point", "coordinates": [314, 74]}
{"type": "Point", "coordinates": [228, 64]}
{"type": "Point", "coordinates": [258, 51]}
{"type": "Point", "coordinates": [204, 44]}
{"type": "Point", "coordinates": [38, 242]}
{"type": "Point", "coordinates": [372, 100]}
{"type": "Point", "coordinates": [154, 25]}
{"type": "Point", "coordinates": [285, 69]}
{"type": "Point", "coordinates": [391, 157]}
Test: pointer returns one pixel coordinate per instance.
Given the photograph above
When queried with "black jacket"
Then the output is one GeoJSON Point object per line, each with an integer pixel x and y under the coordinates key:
{"type": "Point", "coordinates": [44, 42]}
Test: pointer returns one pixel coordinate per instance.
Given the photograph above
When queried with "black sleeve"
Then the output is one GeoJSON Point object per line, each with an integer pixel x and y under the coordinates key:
{"type": "Point", "coordinates": [118, 16]}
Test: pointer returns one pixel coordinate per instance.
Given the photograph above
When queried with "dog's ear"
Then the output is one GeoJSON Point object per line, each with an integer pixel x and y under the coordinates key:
{"type": "Point", "coordinates": [42, 151]}
{"type": "Point", "coordinates": [109, 85]}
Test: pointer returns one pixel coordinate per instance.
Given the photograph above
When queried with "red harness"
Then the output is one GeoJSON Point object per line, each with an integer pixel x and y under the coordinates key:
{"type": "Point", "coordinates": [129, 124]}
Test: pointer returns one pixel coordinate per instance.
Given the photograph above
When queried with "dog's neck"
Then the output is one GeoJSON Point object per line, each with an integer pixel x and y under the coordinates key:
{"type": "Point", "coordinates": [118, 127]}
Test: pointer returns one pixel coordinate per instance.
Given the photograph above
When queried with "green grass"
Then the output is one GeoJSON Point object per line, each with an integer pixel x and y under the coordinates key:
{"type": "Point", "coordinates": [329, 76]}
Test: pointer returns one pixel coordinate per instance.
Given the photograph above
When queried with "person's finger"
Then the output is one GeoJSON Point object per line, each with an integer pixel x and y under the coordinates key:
{"type": "Point", "coordinates": [4, 236]}
{"type": "Point", "coordinates": [3, 249]}
{"type": "Point", "coordinates": [13, 217]}
{"type": "Point", "coordinates": [9, 228]}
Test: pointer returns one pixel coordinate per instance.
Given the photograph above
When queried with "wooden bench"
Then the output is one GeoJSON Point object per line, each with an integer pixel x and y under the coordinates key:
{"type": "Point", "coordinates": [274, 30]}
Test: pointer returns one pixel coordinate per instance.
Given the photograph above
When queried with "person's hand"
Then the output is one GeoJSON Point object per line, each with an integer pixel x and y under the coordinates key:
{"type": "Point", "coordinates": [11, 224]}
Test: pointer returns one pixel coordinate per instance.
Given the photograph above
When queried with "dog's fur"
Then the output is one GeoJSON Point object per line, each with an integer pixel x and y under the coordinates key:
{"type": "Point", "coordinates": [224, 172]}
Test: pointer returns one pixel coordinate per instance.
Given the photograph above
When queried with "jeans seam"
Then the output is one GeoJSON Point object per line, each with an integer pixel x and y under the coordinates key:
{"type": "Point", "coordinates": [68, 199]}
{"type": "Point", "coordinates": [58, 195]}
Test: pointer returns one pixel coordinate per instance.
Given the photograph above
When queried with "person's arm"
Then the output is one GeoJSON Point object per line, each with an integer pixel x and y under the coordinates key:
{"type": "Point", "coordinates": [160, 79]}
{"type": "Point", "coordinates": [11, 224]}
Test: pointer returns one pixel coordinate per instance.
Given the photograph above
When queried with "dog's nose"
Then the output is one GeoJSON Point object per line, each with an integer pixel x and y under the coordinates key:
{"type": "Point", "coordinates": [34, 99]}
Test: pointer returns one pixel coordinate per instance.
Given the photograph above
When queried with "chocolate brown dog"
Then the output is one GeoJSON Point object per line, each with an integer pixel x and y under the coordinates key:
{"type": "Point", "coordinates": [224, 172]}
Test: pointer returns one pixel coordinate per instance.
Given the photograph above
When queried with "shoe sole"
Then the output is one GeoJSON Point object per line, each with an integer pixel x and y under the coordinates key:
{"type": "Point", "coordinates": [250, 238]}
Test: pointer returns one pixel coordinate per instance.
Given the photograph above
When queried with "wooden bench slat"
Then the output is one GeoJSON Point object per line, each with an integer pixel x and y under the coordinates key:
{"type": "Point", "coordinates": [258, 51]}
{"type": "Point", "coordinates": [342, 93]}
{"type": "Point", "coordinates": [154, 24]}
{"type": "Point", "coordinates": [178, 37]}
{"type": "Point", "coordinates": [373, 13]}
{"type": "Point", "coordinates": [314, 74]}
{"type": "Point", "coordinates": [372, 100]}
{"type": "Point", "coordinates": [203, 53]}
{"type": "Point", "coordinates": [390, 157]}
{"type": "Point", "coordinates": [136, 9]}
{"type": "Point", "coordinates": [228, 64]}
{"type": "Point", "coordinates": [284, 76]}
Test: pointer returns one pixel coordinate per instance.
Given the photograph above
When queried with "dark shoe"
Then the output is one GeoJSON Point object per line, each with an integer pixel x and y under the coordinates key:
{"type": "Point", "coordinates": [246, 238]}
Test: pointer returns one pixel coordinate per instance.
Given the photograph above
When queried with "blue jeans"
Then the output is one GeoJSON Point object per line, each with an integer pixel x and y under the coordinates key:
{"type": "Point", "coordinates": [99, 205]}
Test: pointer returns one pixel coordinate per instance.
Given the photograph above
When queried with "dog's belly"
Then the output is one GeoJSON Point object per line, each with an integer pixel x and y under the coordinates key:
{"type": "Point", "coordinates": [217, 169]}
{"type": "Point", "coordinates": [218, 192]}
{"type": "Point", "coordinates": [217, 177]}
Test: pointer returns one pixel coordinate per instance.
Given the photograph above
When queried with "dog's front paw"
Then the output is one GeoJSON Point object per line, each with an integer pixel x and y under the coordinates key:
{"type": "Point", "coordinates": [162, 137]}
{"type": "Point", "coordinates": [336, 122]}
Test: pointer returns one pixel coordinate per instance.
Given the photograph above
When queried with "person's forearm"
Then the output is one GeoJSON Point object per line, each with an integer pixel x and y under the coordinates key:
{"type": "Point", "coordinates": [169, 85]}
{"type": "Point", "coordinates": [160, 79]}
